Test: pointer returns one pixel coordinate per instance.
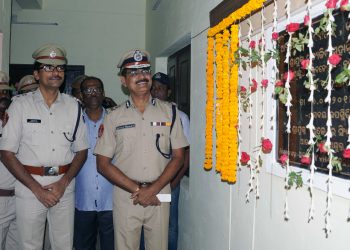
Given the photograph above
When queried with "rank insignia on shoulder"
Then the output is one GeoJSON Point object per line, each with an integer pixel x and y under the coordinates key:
{"type": "Point", "coordinates": [100, 130]}
{"type": "Point", "coordinates": [160, 124]}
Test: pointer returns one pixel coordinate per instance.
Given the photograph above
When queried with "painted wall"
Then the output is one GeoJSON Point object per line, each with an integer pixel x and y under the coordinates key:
{"type": "Point", "coordinates": [94, 33]}
{"type": "Point", "coordinates": [215, 215]}
{"type": "Point", "coordinates": [5, 19]}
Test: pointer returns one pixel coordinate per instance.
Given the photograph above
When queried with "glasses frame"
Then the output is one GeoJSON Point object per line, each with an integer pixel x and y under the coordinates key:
{"type": "Point", "coordinates": [52, 68]}
{"type": "Point", "coordinates": [136, 72]}
{"type": "Point", "coordinates": [89, 91]}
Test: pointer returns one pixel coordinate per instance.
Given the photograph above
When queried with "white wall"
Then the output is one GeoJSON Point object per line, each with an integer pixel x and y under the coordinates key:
{"type": "Point", "coordinates": [5, 19]}
{"type": "Point", "coordinates": [214, 215]}
{"type": "Point", "coordinates": [94, 33]}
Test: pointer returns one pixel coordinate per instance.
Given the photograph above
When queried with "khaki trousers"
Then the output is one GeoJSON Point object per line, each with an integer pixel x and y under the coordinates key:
{"type": "Point", "coordinates": [32, 214]}
{"type": "Point", "coordinates": [128, 220]}
{"type": "Point", "coordinates": [8, 227]}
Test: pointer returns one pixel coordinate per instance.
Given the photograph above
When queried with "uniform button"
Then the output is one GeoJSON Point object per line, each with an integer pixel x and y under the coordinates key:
{"type": "Point", "coordinates": [53, 149]}
{"type": "Point", "coordinates": [50, 113]}
{"type": "Point", "coordinates": [144, 134]}
{"type": "Point", "coordinates": [94, 126]}
{"type": "Point", "coordinates": [51, 132]}
{"type": "Point", "coordinates": [143, 118]}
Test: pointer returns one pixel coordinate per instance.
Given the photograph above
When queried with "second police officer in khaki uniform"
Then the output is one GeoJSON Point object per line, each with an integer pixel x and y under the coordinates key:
{"type": "Point", "coordinates": [8, 227]}
{"type": "Point", "coordinates": [44, 144]}
{"type": "Point", "coordinates": [138, 134]}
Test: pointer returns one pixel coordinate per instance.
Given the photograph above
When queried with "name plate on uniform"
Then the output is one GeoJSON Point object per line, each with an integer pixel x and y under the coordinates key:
{"type": "Point", "coordinates": [33, 121]}
{"type": "Point", "coordinates": [125, 126]}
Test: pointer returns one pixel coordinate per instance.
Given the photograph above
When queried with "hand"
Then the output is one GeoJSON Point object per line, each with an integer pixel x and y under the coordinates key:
{"type": "Point", "coordinates": [57, 188]}
{"type": "Point", "coordinates": [145, 196]}
{"type": "Point", "coordinates": [46, 197]}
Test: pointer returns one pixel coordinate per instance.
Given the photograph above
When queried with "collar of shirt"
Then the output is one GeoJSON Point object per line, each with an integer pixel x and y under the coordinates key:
{"type": "Point", "coordinates": [38, 97]}
{"type": "Point", "coordinates": [87, 119]}
{"type": "Point", "coordinates": [130, 103]}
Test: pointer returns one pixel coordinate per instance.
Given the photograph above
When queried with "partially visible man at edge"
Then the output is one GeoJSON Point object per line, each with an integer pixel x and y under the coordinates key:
{"type": "Point", "coordinates": [8, 225]}
{"type": "Point", "coordinates": [138, 134]}
{"type": "Point", "coordinates": [93, 193]}
{"type": "Point", "coordinates": [44, 144]}
{"type": "Point", "coordinates": [161, 90]}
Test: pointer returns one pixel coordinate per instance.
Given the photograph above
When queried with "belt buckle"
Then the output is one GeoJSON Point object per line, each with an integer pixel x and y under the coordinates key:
{"type": "Point", "coordinates": [51, 171]}
{"type": "Point", "coordinates": [144, 184]}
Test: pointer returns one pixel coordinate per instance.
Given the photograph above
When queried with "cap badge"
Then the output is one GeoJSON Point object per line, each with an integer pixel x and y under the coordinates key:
{"type": "Point", "coordinates": [137, 56]}
{"type": "Point", "coordinates": [157, 76]}
{"type": "Point", "coordinates": [53, 54]}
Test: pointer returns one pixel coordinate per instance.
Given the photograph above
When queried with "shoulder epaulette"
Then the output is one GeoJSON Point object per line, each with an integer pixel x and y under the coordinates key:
{"type": "Point", "coordinates": [109, 110]}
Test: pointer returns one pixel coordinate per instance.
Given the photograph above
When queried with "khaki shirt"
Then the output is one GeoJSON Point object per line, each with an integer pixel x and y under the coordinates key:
{"type": "Point", "coordinates": [35, 132]}
{"type": "Point", "coordinates": [130, 137]}
{"type": "Point", "coordinates": [7, 180]}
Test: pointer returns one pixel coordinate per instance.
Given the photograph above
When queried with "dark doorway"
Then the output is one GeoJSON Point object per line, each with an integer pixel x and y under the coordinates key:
{"type": "Point", "coordinates": [17, 71]}
{"type": "Point", "coordinates": [179, 71]}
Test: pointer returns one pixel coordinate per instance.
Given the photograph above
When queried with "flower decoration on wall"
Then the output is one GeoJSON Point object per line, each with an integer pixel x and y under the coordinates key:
{"type": "Point", "coordinates": [227, 98]}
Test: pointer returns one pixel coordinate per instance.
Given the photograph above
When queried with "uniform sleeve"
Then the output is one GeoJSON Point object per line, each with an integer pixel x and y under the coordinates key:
{"type": "Point", "coordinates": [81, 142]}
{"type": "Point", "coordinates": [178, 139]}
{"type": "Point", "coordinates": [106, 143]}
{"type": "Point", "coordinates": [12, 131]}
{"type": "Point", "coordinates": [185, 121]}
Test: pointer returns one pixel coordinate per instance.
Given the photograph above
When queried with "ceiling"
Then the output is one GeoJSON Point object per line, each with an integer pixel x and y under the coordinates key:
{"type": "Point", "coordinates": [30, 4]}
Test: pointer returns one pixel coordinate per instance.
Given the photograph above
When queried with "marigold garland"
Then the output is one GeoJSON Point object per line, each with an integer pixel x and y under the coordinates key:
{"type": "Point", "coordinates": [225, 126]}
{"type": "Point", "coordinates": [219, 94]}
{"type": "Point", "coordinates": [208, 162]}
{"type": "Point", "coordinates": [233, 107]}
{"type": "Point", "coordinates": [226, 79]}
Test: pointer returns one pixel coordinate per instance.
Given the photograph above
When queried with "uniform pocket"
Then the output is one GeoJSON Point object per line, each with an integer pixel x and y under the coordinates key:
{"type": "Point", "coordinates": [126, 136]}
{"type": "Point", "coordinates": [164, 137]}
{"type": "Point", "coordinates": [33, 133]}
{"type": "Point", "coordinates": [65, 135]}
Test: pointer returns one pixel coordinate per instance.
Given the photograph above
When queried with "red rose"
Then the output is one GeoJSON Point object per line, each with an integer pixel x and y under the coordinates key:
{"type": "Point", "coordinates": [331, 4]}
{"type": "Point", "coordinates": [292, 27]}
{"type": "Point", "coordinates": [279, 83]}
{"type": "Point", "coordinates": [254, 86]}
{"type": "Point", "coordinates": [264, 83]}
{"type": "Point", "coordinates": [334, 59]}
{"type": "Point", "coordinates": [275, 36]}
{"type": "Point", "coordinates": [305, 159]}
{"type": "Point", "coordinates": [243, 89]}
{"type": "Point", "coordinates": [305, 63]}
{"type": "Point", "coordinates": [245, 158]}
{"type": "Point", "coordinates": [322, 147]}
{"type": "Point", "coordinates": [291, 75]}
{"type": "Point", "coordinates": [283, 159]}
{"type": "Point", "coordinates": [306, 20]}
{"type": "Point", "coordinates": [266, 146]}
{"type": "Point", "coordinates": [252, 44]}
{"type": "Point", "coordinates": [344, 5]}
{"type": "Point", "coordinates": [346, 153]}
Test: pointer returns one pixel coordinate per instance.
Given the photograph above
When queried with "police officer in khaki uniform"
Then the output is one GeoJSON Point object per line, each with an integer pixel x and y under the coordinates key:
{"type": "Point", "coordinates": [27, 84]}
{"type": "Point", "coordinates": [5, 89]}
{"type": "Point", "coordinates": [138, 134]}
{"type": "Point", "coordinates": [44, 144]}
{"type": "Point", "coordinates": [8, 227]}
